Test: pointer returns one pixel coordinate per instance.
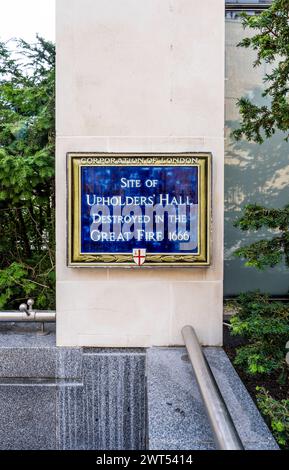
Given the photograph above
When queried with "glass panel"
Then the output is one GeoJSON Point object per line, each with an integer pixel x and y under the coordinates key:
{"type": "Point", "coordinates": [235, 13]}
{"type": "Point", "coordinates": [253, 173]}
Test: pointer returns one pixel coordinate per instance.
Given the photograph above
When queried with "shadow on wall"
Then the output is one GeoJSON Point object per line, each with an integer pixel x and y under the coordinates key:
{"type": "Point", "coordinates": [253, 174]}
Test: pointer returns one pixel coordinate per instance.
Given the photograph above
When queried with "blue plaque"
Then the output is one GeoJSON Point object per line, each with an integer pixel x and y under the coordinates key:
{"type": "Point", "coordinates": [138, 209]}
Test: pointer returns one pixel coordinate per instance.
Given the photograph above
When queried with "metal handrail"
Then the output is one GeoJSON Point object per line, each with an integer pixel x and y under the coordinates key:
{"type": "Point", "coordinates": [225, 433]}
{"type": "Point", "coordinates": [43, 316]}
{"type": "Point", "coordinates": [27, 313]}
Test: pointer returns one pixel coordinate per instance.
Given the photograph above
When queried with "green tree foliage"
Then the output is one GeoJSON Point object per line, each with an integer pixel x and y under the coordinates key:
{"type": "Point", "coordinates": [27, 146]}
{"type": "Point", "coordinates": [265, 253]}
{"type": "Point", "coordinates": [271, 43]}
{"type": "Point", "coordinates": [265, 325]}
{"type": "Point", "coordinates": [277, 415]}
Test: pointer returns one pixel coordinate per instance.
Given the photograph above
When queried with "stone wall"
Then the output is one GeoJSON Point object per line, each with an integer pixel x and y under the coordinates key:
{"type": "Point", "coordinates": [139, 76]}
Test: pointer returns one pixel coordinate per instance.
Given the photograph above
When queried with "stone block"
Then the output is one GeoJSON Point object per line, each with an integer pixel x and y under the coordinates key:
{"type": "Point", "coordinates": [176, 415]}
{"type": "Point", "coordinates": [250, 425]}
{"type": "Point", "coordinates": [69, 414]}
{"type": "Point", "coordinates": [27, 414]}
{"type": "Point", "coordinates": [114, 399]}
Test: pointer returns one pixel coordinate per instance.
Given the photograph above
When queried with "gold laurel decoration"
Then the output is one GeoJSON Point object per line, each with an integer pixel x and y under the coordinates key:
{"type": "Point", "coordinates": [118, 258]}
{"type": "Point", "coordinates": [106, 258]}
{"type": "Point", "coordinates": [171, 258]}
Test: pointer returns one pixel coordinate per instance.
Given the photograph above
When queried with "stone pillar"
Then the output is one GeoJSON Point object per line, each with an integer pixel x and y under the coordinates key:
{"type": "Point", "coordinates": [139, 76]}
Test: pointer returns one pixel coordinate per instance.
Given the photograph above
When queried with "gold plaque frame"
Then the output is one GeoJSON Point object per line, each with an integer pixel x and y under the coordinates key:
{"type": "Point", "coordinates": [77, 160]}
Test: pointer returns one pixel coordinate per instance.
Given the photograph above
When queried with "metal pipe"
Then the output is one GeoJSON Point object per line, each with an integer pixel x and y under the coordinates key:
{"type": "Point", "coordinates": [225, 433]}
{"type": "Point", "coordinates": [43, 316]}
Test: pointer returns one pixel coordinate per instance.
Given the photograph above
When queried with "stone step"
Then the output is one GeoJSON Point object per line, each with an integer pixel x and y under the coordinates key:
{"type": "Point", "coordinates": [69, 398]}
{"type": "Point", "coordinates": [176, 415]}
{"type": "Point", "coordinates": [32, 415]}
{"type": "Point", "coordinates": [25, 353]}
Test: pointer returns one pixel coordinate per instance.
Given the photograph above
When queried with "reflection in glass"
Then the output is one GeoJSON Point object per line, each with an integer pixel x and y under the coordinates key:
{"type": "Point", "coordinates": [253, 173]}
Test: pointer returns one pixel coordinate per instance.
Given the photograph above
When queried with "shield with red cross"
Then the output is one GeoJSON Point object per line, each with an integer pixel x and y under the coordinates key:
{"type": "Point", "coordinates": [139, 255]}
